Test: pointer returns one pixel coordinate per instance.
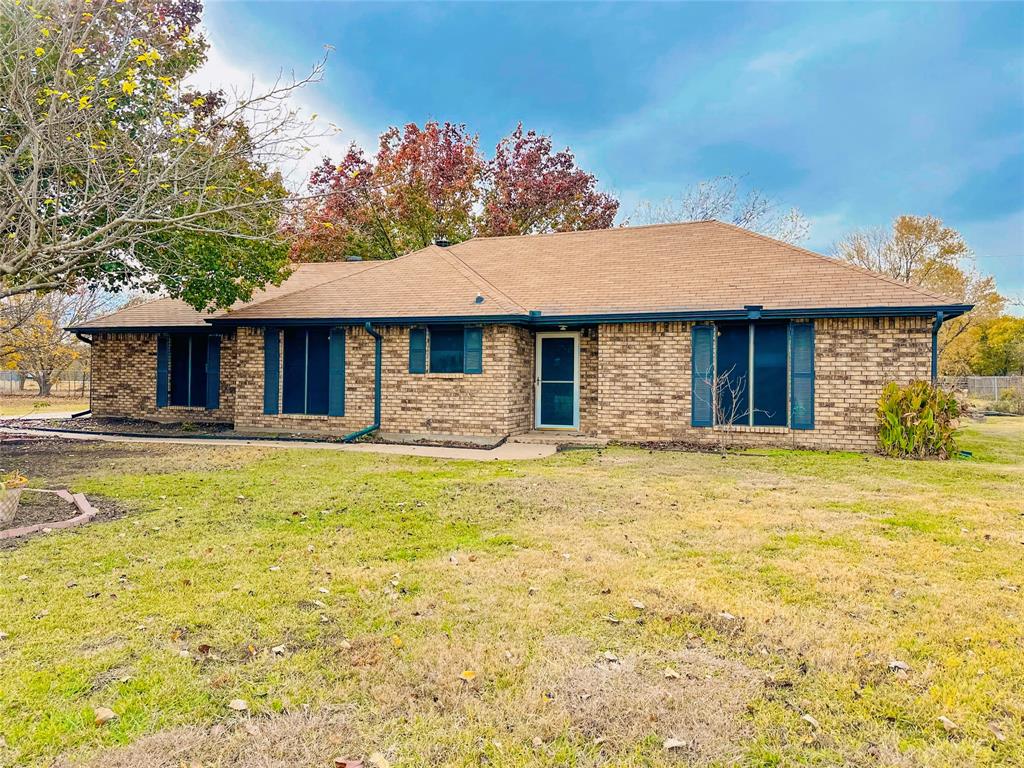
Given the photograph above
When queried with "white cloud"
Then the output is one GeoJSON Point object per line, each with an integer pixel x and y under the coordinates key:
{"type": "Point", "coordinates": [237, 75]}
{"type": "Point", "coordinates": [777, 62]}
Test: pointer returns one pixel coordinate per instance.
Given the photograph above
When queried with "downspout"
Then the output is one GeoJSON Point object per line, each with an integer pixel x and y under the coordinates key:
{"type": "Point", "coordinates": [377, 339]}
{"type": "Point", "coordinates": [935, 345]}
{"type": "Point", "coordinates": [88, 410]}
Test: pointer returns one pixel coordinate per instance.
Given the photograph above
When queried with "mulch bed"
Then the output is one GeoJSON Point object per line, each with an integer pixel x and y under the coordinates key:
{"type": "Point", "coordinates": [48, 508]}
{"type": "Point", "coordinates": [124, 426]}
{"type": "Point", "coordinates": [49, 461]}
{"type": "Point", "coordinates": [145, 428]}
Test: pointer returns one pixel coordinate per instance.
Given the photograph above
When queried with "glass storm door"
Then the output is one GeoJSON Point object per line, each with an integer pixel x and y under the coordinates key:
{"type": "Point", "coordinates": [558, 377]}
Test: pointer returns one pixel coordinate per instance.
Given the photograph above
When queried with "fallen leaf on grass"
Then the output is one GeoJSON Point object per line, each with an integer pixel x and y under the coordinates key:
{"type": "Point", "coordinates": [348, 762]}
{"type": "Point", "coordinates": [671, 674]}
{"type": "Point", "coordinates": [468, 675]}
{"type": "Point", "coordinates": [674, 744]}
{"type": "Point", "coordinates": [278, 650]}
{"type": "Point", "coordinates": [638, 605]}
{"type": "Point", "coordinates": [612, 619]}
{"type": "Point", "coordinates": [897, 665]}
{"type": "Point", "coordinates": [377, 760]}
{"type": "Point", "coordinates": [396, 641]}
{"type": "Point", "coordinates": [104, 715]}
{"type": "Point", "coordinates": [609, 656]}
{"type": "Point", "coordinates": [239, 705]}
{"type": "Point", "coordinates": [997, 732]}
{"type": "Point", "coordinates": [948, 724]}
{"type": "Point", "coordinates": [811, 721]}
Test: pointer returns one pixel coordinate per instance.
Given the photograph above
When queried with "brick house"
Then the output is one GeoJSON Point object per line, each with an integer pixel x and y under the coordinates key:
{"type": "Point", "coordinates": [623, 334]}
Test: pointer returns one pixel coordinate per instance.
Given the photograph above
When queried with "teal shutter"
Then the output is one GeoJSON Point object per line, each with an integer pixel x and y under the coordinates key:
{"type": "Point", "coordinates": [336, 375]}
{"type": "Point", "coordinates": [702, 373]}
{"type": "Point", "coordinates": [801, 375]}
{"type": "Point", "coordinates": [473, 350]}
{"type": "Point", "coordinates": [271, 369]}
{"type": "Point", "coordinates": [163, 369]}
{"type": "Point", "coordinates": [212, 372]}
{"type": "Point", "coordinates": [418, 350]}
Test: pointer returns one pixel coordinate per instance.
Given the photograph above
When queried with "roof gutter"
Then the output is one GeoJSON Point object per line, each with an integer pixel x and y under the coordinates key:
{"type": "Point", "coordinates": [377, 343]}
{"type": "Point", "coordinates": [936, 325]}
{"type": "Point", "coordinates": [537, 319]}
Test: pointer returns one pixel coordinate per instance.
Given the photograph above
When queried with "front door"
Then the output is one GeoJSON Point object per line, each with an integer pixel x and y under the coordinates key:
{"type": "Point", "coordinates": [558, 381]}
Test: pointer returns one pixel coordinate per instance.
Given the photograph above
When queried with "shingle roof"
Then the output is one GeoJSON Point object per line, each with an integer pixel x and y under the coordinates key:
{"type": "Point", "coordinates": [697, 267]}
{"type": "Point", "coordinates": [174, 313]}
{"type": "Point", "coordinates": [676, 267]}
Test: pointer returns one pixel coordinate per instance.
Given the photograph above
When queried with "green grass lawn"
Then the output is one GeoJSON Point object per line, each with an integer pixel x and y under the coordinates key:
{"type": "Point", "coordinates": [574, 611]}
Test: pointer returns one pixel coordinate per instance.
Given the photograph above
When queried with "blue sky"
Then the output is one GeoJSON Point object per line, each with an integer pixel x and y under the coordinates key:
{"type": "Point", "coordinates": [853, 113]}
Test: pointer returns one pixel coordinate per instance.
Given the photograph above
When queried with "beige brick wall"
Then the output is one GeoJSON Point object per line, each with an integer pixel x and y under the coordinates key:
{"type": "Point", "coordinates": [495, 402]}
{"type": "Point", "coordinates": [124, 380]}
{"type": "Point", "coordinates": [634, 384]}
{"type": "Point", "coordinates": [644, 382]}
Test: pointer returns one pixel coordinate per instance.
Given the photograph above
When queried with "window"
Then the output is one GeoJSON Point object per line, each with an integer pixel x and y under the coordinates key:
{"type": "Point", "coordinates": [188, 370]}
{"type": "Point", "coordinates": [306, 371]}
{"type": "Point", "coordinates": [452, 349]}
{"type": "Point", "coordinates": [446, 348]}
{"type": "Point", "coordinates": [769, 379]}
{"type": "Point", "coordinates": [751, 365]}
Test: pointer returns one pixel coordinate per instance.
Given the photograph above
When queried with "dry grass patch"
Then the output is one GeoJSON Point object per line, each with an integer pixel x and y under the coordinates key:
{"type": "Point", "coordinates": [690, 695]}
{"type": "Point", "coordinates": [292, 740]}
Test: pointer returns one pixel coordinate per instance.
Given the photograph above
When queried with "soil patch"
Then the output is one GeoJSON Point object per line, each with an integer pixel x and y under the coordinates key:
{"type": "Point", "coordinates": [38, 508]}
{"type": "Point", "coordinates": [55, 460]}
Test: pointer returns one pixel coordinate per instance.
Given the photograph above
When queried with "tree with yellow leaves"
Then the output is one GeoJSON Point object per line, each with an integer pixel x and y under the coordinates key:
{"type": "Point", "coordinates": [924, 252]}
{"type": "Point", "coordinates": [116, 175]}
{"type": "Point", "coordinates": [34, 342]}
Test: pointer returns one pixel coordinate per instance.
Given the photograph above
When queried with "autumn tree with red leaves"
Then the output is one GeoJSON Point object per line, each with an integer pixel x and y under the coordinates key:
{"type": "Point", "coordinates": [433, 182]}
{"type": "Point", "coordinates": [533, 190]}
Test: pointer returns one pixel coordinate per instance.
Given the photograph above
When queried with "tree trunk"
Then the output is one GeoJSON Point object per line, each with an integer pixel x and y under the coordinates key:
{"type": "Point", "coordinates": [45, 385]}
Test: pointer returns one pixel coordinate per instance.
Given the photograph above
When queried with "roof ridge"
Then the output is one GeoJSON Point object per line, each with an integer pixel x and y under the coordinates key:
{"type": "Point", "coordinates": [478, 279]}
{"type": "Point", "coordinates": [838, 262]}
{"type": "Point", "coordinates": [620, 228]}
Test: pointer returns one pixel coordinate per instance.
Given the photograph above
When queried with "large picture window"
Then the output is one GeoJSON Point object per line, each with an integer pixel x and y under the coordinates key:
{"type": "Point", "coordinates": [751, 366]}
{"type": "Point", "coordinates": [306, 371]}
{"type": "Point", "coordinates": [188, 370]}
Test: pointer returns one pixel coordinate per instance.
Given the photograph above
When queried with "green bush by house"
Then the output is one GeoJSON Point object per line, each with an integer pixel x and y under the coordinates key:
{"type": "Point", "coordinates": [917, 421]}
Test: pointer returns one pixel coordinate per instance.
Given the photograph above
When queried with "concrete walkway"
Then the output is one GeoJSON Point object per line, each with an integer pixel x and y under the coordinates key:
{"type": "Point", "coordinates": [506, 452]}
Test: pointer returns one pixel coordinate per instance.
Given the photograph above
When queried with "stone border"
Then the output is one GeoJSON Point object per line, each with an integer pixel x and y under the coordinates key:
{"type": "Point", "coordinates": [86, 512]}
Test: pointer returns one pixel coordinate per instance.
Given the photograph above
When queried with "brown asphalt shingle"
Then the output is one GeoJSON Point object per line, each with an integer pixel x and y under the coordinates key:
{"type": "Point", "coordinates": [174, 313]}
{"type": "Point", "coordinates": [700, 266]}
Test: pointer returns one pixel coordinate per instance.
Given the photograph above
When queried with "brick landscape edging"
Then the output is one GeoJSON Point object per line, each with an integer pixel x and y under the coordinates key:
{"type": "Point", "coordinates": [86, 512]}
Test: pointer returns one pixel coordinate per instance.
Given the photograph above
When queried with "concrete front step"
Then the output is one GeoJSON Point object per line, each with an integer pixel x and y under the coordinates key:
{"type": "Point", "coordinates": [558, 437]}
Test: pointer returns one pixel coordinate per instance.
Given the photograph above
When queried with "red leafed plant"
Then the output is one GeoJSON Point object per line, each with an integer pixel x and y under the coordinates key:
{"type": "Point", "coordinates": [433, 181]}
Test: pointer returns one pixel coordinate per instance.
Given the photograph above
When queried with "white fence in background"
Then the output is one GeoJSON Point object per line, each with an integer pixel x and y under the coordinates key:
{"type": "Point", "coordinates": [983, 387]}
